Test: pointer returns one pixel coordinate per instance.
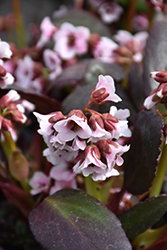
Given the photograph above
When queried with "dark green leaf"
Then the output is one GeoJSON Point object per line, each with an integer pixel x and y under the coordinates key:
{"type": "Point", "coordinates": [143, 215]}
{"type": "Point", "coordinates": [71, 219]}
{"type": "Point", "coordinates": [141, 160]}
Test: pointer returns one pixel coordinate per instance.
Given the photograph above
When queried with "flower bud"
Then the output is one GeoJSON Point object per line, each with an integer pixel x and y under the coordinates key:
{"type": "Point", "coordinates": [96, 119]}
{"type": "Point", "coordinates": [18, 166]}
{"type": "Point", "coordinates": [104, 146]}
{"type": "Point", "coordinates": [109, 121]}
{"type": "Point", "coordinates": [57, 117]}
{"type": "Point", "coordinates": [159, 76]}
{"type": "Point", "coordinates": [77, 112]}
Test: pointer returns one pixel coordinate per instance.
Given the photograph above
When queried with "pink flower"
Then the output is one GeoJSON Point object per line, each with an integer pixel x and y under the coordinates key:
{"type": "Point", "coordinates": [5, 51]}
{"type": "Point", "coordinates": [63, 176]}
{"type": "Point", "coordinates": [91, 164]}
{"type": "Point", "coordinates": [104, 91]}
{"type": "Point", "coordinates": [52, 62]}
{"type": "Point", "coordinates": [135, 43]}
{"type": "Point", "coordinates": [114, 157]}
{"type": "Point", "coordinates": [121, 127]}
{"type": "Point", "coordinates": [110, 12]}
{"type": "Point", "coordinates": [6, 80]}
{"type": "Point", "coordinates": [25, 74]}
{"type": "Point", "coordinates": [104, 50]}
{"type": "Point", "coordinates": [48, 29]}
{"type": "Point", "coordinates": [140, 22]}
{"type": "Point", "coordinates": [72, 127]}
{"type": "Point", "coordinates": [39, 183]}
{"type": "Point", "coordinates": [71, 41]}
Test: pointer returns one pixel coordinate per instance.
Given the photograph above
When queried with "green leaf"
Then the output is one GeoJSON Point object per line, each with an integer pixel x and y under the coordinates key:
{"type": "Point", "coordinates": [143, 215]}
{"type": "Point", "coordinates": [141, 160]}
{"type": "Point", "coordinates": [72, 219]}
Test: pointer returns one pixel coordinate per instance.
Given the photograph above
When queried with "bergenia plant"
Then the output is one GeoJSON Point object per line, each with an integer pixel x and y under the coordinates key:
{"type": "Point", "coordinates": [83, 127]}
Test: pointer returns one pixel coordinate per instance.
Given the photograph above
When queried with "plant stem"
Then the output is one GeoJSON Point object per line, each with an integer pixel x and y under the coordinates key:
{"type": "Point", "coordinates": [145, 239]}
{"type": "Point", "coordinates": [92, 187]}
{"type": "Point", "coordinates": [158, 181]}
{"type": "Point", "coordinates": [131, 13]}
{"type": "Point", "coordinates": [19, 23]}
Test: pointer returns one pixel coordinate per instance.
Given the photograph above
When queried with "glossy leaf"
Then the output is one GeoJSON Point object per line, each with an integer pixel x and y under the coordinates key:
{"type": "Point", "coordinates": [141, 160]}
{"type": "Point", "coordinates": [143, 215]}
{"type": "Point", "coordinates": [71, 219]}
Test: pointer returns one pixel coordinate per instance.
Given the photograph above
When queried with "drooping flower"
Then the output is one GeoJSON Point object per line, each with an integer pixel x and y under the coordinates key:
{"type": "Point", "coordinates": [104, 91]}
{"type": "Point", "coordinates": [68, 129]}
{"type": "Point", "coordinates": [105, 50]}
{"type": "Point", "coordinates": [91, 164]}
{"type": "Point", "coordinates": [48, 29]}
{"type": "Point", "coordinates": [71, 41]}
{"type": "Point", "coordinates": [52, 62]}
{"type": "Point", "coordinates": [39, 183]}
{"type": "Point", "coordinates": [136, 44]}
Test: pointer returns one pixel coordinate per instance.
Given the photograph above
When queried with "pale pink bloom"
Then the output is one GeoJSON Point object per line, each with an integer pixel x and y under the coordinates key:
{"type": "Point", "coordinates": [39, 183]}
{"type": "Point", "coordinates": [6, 80]}
{"type": "Point", "coordinates": [121, 127]}
{"type": "Point", "coordinates": [106, 83]}
{"type": "Point", "coordinates": [5, 51]}
{"type": "Point", "coordinates": [91, 164]}
{"type": "Point", "coordinates": [149, 103]}
{"type": "Point", "coordinates": [61, 171]}
{"type": "Point", "coordinates": [140, 22]}
{"type": "Point", "coordinates": [114, 158]}
{"type": "Point", "coordinates": [28, 105]}
{"type": "Point", "coordinates": [52, 62]}
{"type": "Point", "coordinates": [71, 41]}
{"type": "Point", "coordinates": [110, 12]}
{"type": "Point", "coordinates": [45, 125]}
{"type": "Point", "coordinates": [99, 134]}
{"type": "Point", "coordinates": [62, 184]}
{"type": "Point", "coordinates": [135, 43]}
{"type": "Point", "coordinates": [21, 108]}
{"type": "Point", "coordinates": [12, 96]}
{"type": "Point", "coordinates": [48, 29]}
{"type": "Point", "coordinates": [105, 50]}
{"type": "Point", "coordinates": [65, 133]}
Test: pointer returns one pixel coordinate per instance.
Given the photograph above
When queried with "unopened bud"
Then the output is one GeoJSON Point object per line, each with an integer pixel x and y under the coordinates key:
{"type": "Point", "coordinates": [57, 117]}
{"type": "Point", "coordinates": [18, 166]}
{"type": "Point", "coordinates": [98, 96]}
{"type": "Point", "coordinates": [96, 119]}
{"type": "Point", "coordinates": [3, 71]}
{"type": "Point", "coordinates": [94, 39]}
{"type": "Point", "coordinates": [77, 112]}
{"type": "Point", "coordinates": [104, 146]}
{"type": "Point", "coordinates": [109, 121]}
{"type": "Point", "coordinates": [159, 76]}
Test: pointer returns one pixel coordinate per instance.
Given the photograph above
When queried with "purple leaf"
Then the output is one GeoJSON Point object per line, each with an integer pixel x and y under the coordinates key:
{"type": "Point", "coordinates": [141, 160]}
{"type": "Point", "coordinates": [71, 219]}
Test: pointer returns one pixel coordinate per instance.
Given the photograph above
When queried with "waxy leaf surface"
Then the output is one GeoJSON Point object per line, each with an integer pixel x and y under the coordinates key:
{"type": "Point", "coordinates": [71, 219]}
{"type": "Point", "coordinates": [141, 160]}
{"type": "Point", "coordinates": [143, 215]}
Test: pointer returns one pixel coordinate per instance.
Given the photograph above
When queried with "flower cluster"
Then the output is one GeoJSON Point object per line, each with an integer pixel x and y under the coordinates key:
{"type": "Point", "coordinates": [5, 53]}
{"type": "Point", "coordinates": [84, 141]}
{"type": "Point", "coordinates": [12, 110]}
